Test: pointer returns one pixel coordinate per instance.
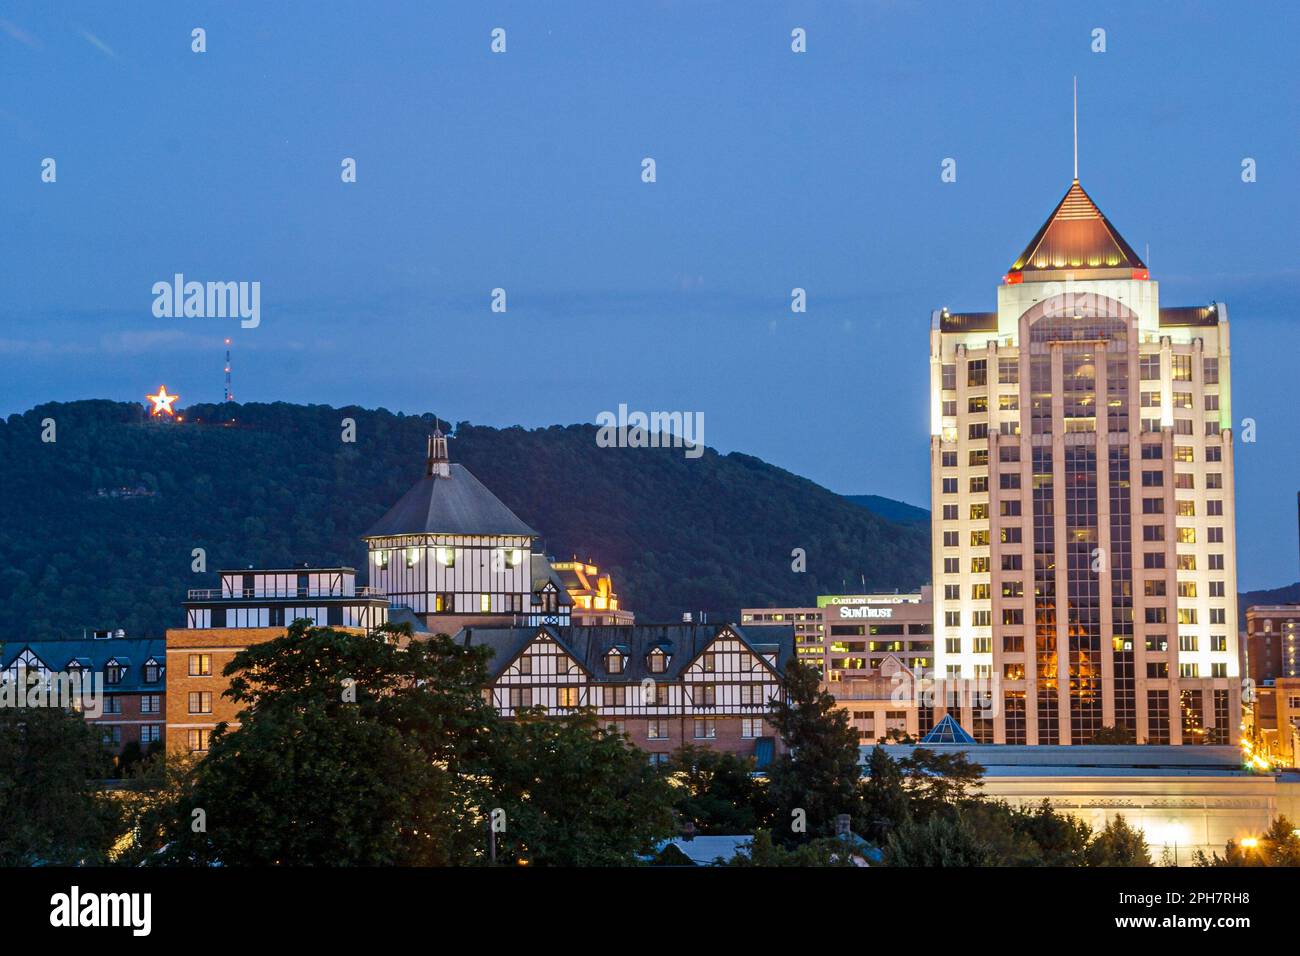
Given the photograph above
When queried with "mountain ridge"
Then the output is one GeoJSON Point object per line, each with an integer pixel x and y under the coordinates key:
{"type": "Point", "coordinates": [105, 521]}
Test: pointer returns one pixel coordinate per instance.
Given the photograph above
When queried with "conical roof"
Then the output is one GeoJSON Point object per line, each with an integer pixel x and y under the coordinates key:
{"type": "Point", "coordinates": [1077, 238]}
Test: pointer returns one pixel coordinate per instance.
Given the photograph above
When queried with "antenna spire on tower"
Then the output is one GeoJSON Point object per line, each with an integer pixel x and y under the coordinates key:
{"type": "Point", "coordinates": [230, 395]}
{"type": "Point", "coordinates": [1076, 129]}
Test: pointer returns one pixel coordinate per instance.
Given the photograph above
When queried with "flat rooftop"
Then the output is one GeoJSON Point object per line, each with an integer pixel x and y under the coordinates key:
{"type": "Point", "coordinates": [1017, 760]}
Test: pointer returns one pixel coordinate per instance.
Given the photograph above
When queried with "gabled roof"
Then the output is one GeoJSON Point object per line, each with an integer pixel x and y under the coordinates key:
{"type": "Point", "coordinates": [947, 731]}
{"type": "Point", "coordinates": [543, 574]}
{"type": "Point", "coordinates": [457, 503]}
{"type": "Point", "coordinates": [94, 655]}
{"type": "Point", "coordinates": [589, 645]}
{"type": "Point", "coordinates": [1076, 237]}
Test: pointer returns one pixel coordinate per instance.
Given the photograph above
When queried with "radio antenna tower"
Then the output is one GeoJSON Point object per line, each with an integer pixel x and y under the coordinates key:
{"type": "Point", "coordinates": [230, 396]}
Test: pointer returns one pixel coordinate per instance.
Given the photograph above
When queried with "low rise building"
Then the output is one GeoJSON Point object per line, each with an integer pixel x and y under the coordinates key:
{"type": "Point", "coordinates": [250, 607]}
{"type": "Point", "coordinates": [1272, 642]}
{"type": "Point", "coordinates": [809, 632]}
{"type": "Point", "coordinates": [1272, 700]}
{"type": "Point", "coordinates": [875, 653]}
{"type": "Point", "coordinates": [664, 686]}
{"type": "Point", "coordinates": [870, 634]}
{"type": "Point", "coordinates": [121, 682]}
{"type": "Point", "coordinates": [1183, 799]}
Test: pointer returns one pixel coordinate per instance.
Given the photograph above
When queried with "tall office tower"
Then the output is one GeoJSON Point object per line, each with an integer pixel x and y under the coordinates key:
{"type": "Point", "coordinates": [1084, 550]}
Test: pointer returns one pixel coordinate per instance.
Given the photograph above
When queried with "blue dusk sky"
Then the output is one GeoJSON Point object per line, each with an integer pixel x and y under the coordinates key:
{"type": "Point", "coordinates": [523, 171]}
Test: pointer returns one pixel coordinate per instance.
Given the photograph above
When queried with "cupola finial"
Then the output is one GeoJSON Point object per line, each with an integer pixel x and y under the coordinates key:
{"type": "Point", "coordinates": [438, 461]}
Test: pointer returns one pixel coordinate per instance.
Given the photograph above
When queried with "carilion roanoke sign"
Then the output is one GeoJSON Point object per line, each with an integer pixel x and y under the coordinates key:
{"type": "Point", "coordinates": [825, 600]}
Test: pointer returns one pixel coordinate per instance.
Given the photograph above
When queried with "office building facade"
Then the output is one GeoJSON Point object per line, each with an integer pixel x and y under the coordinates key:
{"type": "Point", "coordinates": [1082, 488]}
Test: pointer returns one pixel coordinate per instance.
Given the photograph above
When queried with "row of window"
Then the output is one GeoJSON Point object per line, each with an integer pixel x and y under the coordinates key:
{"type": "Point", "coordinates": [621, 695]}
{"type": "Point", "coordinates": [615, 662]}
{"type": "Point", "coordinates": [1187, 616]}
{"type": "Point", "coordinates": [1156, 670]}
{"type": "Point", "coordinates": [149, 734]}
{"type": "Point", "coordinates": [1151, 451]}
{"type": "Point", "coordinates": [704, 728]}
{"type": "Point", "coordinates": [503, 559]}
{"type": "Point", "coordinates": [1014, 534]}
{"type": "Point", "coordinates": [1180, 370]}
{"type": "Point", "coordinates": [149, 704]}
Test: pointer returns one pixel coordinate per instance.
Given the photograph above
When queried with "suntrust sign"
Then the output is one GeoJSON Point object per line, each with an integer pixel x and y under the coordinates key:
{"type": "Point", "coordinates": [848, 613]}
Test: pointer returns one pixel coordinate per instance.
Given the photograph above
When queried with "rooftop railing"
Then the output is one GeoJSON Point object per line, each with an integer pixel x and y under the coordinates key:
{"type": "Point", "coordinates": [254, 594]}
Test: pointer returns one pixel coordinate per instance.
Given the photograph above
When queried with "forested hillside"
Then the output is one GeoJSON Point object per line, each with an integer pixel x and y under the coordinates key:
{"type": "Point", "coordinates": [99, 525]}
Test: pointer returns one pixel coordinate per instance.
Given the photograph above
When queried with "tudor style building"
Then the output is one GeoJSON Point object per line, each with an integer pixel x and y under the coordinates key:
{"type": "Point", "coordinates": [455, 556]}
{"type": "Point", "coordinates": [1084, 546]}
{"type": "Point", "coordinates": [663, 685]}
{"type": "Point", "coordinates": [128, 675]}
{"type": "Point", "coordinates": [448, 555]}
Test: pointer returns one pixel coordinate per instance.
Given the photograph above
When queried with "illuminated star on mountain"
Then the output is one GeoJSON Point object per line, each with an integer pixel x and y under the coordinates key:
{"type": "Point", "coordinates": [162, 402]}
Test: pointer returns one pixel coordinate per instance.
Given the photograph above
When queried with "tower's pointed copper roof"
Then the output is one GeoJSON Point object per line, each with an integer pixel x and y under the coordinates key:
{"type": "Point", "coordinates": [1077, 240]}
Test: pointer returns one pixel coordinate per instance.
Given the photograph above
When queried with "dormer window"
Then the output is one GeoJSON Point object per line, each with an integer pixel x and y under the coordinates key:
{"type": "Point", "coordinates": [113, 671]}
{"type": "Point", "coordinates": [152, 671]}
{"type": "Point", "coordinates": [657, 661]}
{"type": "Point", "coordinates": [614, 661]}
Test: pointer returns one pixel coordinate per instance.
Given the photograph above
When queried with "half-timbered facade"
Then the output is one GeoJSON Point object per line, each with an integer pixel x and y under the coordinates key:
{"type": "Point", "coordinates": [453, 554]}
{"type": "Point", "coordinates": [664, 686]}
{"type": "Point", "coordinates": [120, 687]}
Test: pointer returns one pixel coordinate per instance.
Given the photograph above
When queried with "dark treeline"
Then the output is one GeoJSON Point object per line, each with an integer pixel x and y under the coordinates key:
{"type": "Point", "coordinates": [270, 485]}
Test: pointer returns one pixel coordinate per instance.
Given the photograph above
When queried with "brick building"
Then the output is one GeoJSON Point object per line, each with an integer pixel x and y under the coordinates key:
{"type": "Point", "coordinates": [1272, 652]}
{"type": "Point", "coordinates": [250, 607]}
{"type": "Point", "coordinates": [124, 680]}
